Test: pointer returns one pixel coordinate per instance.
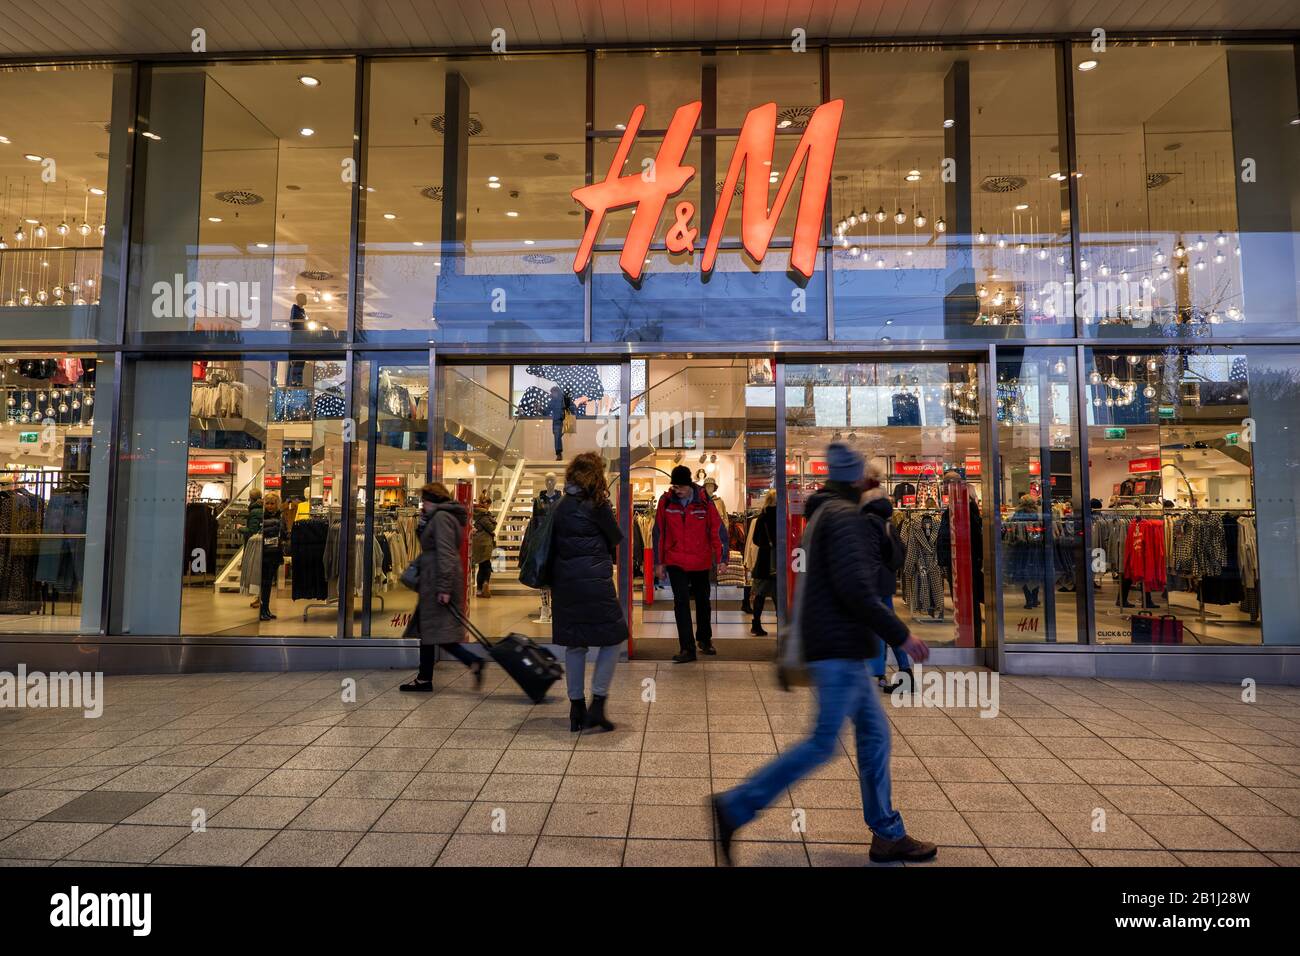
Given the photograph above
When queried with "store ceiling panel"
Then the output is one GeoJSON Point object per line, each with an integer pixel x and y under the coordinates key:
{"type": "Point", "coordinates": [129, 27]}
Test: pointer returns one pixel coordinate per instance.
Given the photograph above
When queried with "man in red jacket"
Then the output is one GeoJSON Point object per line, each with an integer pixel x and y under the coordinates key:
{"type": "Point", "coordinates": [689, 540]}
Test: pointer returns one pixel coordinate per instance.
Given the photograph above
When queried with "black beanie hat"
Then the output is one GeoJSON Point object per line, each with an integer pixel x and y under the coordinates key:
{"type": "Point", "coordinates": [681, 475]}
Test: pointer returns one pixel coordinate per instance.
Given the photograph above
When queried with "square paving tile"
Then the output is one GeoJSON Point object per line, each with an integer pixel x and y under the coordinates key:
{"type": "Point", "coordinates": [593, 820]}
{"type": "Point", "coordinates": [305, 848]}
{"type": "Point", "coordinates": [48, 840]}
{"type": "Point", "coordinates": [217, 847]}
{"type": "Point", "coordinates": [101, 806]}
{"type": "Point", "coordinates": [397, 849]}
{"type": "Point", "coordinates": [1189, 832]}
{"type": "Point", "coordinates": [340, 813]}
{"type": "Point", "coordinates": [129, 843]}
{"type": "Point", "coordinates": [668, 853]}
{"type": "Point", "coordinates": [491, 849]}
{"type": "Point", "coordinates": [247, 812]}
{"type": "Point", "coordinates": [1280, 834]}
{"type": "Point", "coordinates": [569, 851]}
{"type": "Point", "coordinates": [422, 816]}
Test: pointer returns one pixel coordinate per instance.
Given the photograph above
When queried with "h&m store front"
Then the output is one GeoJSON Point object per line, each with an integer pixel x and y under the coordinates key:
{"type": "Point", "coordinates": [1028, 281]}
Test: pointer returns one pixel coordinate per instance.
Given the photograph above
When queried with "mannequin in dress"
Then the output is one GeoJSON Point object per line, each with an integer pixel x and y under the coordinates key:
{"type": "Point", "coordinates": [546, 499]}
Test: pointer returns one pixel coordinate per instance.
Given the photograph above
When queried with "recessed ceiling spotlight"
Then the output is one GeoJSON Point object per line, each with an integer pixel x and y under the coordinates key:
{"type": "Point", "coordinates": [4, 140]}
{"type": "Point", "coordinates": [1021, 206]}
{"type": "Point", "coordinates": [1087, 65]}
{"type": "Point", "coordinates": [149, 134]}
{"type": "Point", "coordinates": [33, 157]}
{"type": "Point", "coordinates": [306, 131]}
{"type": "Point", "coordinates": [512, 214]}
{"type": "Point", "coordinates": [263, 245]}
{"type": "Point", "coordinates": [311, 81]}
{"type": "Point", "coordinates": [493, 184]}
{"type": "Point", "coordinates": [214, 219]}
{"type": "Point", "coordinates": [95, 191]}
{"type": "Point", "coordinates": [417, 242]}
{"type": "Point", "coordinates": [949, 124]}
{"type": "Point", "coordinates": [390, 215]}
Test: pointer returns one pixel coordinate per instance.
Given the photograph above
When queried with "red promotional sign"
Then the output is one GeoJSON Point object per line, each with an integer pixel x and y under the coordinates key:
{"type": "Point", "coordinates": [812, 467]}
{"type": "Point", "coordinates": [1035, 466]}
{"type": "Point", "coordinates": [973, 467]}
{"type": "Point", "coordinates": [208, 467]}
{"type": "Point", "coordinates": [753, 155]}
{"type": "Point", "coordinates": [1139, 465]}
{"type": "Point", "coordinates": [273, 481]}
{"type": "Point", "coordinates": [917, 467]}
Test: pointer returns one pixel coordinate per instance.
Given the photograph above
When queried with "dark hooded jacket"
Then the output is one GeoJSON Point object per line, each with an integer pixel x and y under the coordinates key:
{"type": "Point", "coordinates": [883, 542]}
{"type": "Point", "coordinates": [842, 613]}
{"type": "Point", "coordinates": [442, 571]}
{"type": "Point", "coordinates": [584, 546]}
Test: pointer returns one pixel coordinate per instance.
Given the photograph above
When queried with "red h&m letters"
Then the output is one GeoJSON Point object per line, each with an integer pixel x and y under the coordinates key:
{"type": "Point", "coordinates": [753, 156]}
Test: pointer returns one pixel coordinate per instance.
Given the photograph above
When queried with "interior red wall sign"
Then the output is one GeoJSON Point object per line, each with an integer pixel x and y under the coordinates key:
{"type": "Point", "coordinates": [752, 156]}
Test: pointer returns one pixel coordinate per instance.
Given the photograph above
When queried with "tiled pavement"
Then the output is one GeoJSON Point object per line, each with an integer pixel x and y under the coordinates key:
{"type": "Point", "coordinates": [1071, 772]}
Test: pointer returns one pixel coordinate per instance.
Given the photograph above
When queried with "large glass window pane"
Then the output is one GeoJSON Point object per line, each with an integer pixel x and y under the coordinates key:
{"type": "Point", "coordinates": [247, 188]}
{"type": "Point", "coordinates": [216, 449]}
{"type": "Point", "coordinates": [1041, 545]}
{"type": "Point", "coordinates": [503, 273]}
{"type": "Point", "coordinates": [919, 424]}
{"type": "Point", "coordinates": [948, 197]}
{"type": "Point", "coordinates": [388, 495]}
{"type": "Point", "coordinates": [53, 490]}
{"type": "Point", "coordinates": [1190, 163]}
{"type": "Point", "coordinates": [55, 137]}
{"type": "Point", "coordinates": [1176, 450]}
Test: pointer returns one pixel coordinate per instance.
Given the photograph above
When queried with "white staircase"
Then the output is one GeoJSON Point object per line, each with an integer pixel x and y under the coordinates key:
{"type": "Point", "coordinates": [514, 522]}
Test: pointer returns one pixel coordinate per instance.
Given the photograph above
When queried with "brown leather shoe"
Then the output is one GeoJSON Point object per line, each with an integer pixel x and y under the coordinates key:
{"type": "Point", "coordinates": [905, 849]}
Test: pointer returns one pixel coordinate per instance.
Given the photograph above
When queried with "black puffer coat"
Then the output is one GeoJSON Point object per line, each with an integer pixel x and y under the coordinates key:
{"type": "Point", "coordinates": [842, 613]}
{"type": "Point", "coordinates": [585, 608]}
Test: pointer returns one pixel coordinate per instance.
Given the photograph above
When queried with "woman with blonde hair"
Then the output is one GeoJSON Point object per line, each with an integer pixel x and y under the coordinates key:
{"type": "Point", "coordinates": [273, 541]}
{"type": "Point", "coordinates": [585, 608]}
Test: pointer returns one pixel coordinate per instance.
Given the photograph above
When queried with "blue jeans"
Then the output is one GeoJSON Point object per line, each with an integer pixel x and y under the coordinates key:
{"type": "Point", "coordinates": [557, 431]}
{"type": "Point", "coordinates": [575, 669]}
{"type": "Point", "coordinates": [844, 690]}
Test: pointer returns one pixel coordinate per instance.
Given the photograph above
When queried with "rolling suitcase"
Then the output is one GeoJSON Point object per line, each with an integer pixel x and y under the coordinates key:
{"type": "Point", "coordinates": [532, 666]}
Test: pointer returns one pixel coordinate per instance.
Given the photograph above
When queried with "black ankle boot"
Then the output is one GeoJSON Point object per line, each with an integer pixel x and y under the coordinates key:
{"type": "Point", "coordinates": [596, 715]}
{"type": "Point", "coordinates": [577, 715]}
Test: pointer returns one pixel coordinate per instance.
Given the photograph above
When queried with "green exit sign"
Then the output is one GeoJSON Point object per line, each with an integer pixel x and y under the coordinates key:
{"type": "Point", "coordinates": [29, 438]}
{"type": "Point", "coordinates": [1116, 434]}
{"type": "Point", "coordinates": [1168, 411]}
{"type": "Point", "coordinates": [1233, 438]}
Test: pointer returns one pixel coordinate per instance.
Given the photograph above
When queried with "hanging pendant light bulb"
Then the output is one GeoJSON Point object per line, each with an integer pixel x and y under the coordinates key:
{"type": "Point", "coordinates": [1180, 250]}
{"type": "Point", "coordinates": [1042, 253]}
{"type": "Point", "coordinates": [1159, 257]}
{"type": "Point", "coordinates": [3, 244]}
{"type": "Point", "coordinates": [1134, 359]}
{"type": "Point", "coordinates": [920, 220]}
{"type": "Point", "coordinates": [1200, 265]}
{"type": "Point", "coordinates": [1164, 275]}
{"type": "Point", "coordinates": [1220, 238]}
{"type": "Point", "coordinates": [1182, 268]}
{"type": "Point", "coordinates": [1214, 317]}
{"type": "Point", "coordinates": [39, 231]}
{"type": "Point", "coordinates": [1236, 250]}
{"type": "Point", "coordinates": [1149, 391]}
{"type": "Point", "coordinates": [880, 263]}
{"type": "Point", "coordinates": [1218, 257]}
{"type": "Point", "coordinates": [84, 229]}
{"type": "Point", "coordinates": [940, 225]}
{"type": "Point", "coordinates": [1104, 269]}
{"type": "Point", "coordinates": [983, 292]}
{"type": "Point", "coordinates": [101, 228]}
{"type": "Point", "coordinates": [880, 214]}
{"type": "Point", "coordinates": [61, 229]}
{"type": "Point", "coordinates": [900, 217]}
{"type": "Point", "coordinates": [1059, 367]}
{"type": "Point", "coordinates": [1110, 402]}
{"type": "Point", "coordinates": [854, 252]}
{"type": "Point", "coordinates": [853, 219]}
{"type": "Point", "coordinates": [1002, 242]}
{"type": "Point", "coordinates": [1152, 365]}
{"type": "Point", "coordinates": [20, 235]}
{"type": "Point", "coordinates": [1200, 243]}
{"type": "Point", "coordinates": [981, 237]}
{"type": "Point", "coordinates": [1096, 401]}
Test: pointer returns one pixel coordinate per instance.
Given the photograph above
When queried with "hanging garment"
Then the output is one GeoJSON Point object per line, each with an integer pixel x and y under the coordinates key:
{"type": "Point", "coordinates": [250, 567]}
{"type": "Point", "coordinates": [307, 545]}
{"type": "Point", "coordinates": [922, 577]}
{"type": "Point", "coordinates": [21, 513]}
{"type": "Point", "coordinates": [200, 536]}
{"type": "Point", "coordinates": [62, 558]}
{"type": "Point", "coordinates": [1144, 554]}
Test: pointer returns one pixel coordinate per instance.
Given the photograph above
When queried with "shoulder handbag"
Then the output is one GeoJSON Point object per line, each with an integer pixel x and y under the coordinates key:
{"type": "Point", "coordinates": [570, 422]}
{"type": "Point", "coordinates": [411, 576]}
{"type": "Point", "coordinates": [535, 556]}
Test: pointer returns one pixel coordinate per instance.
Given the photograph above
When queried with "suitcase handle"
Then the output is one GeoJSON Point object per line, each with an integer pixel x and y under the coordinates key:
{"type": "Point", "coordinates": [478, 635]}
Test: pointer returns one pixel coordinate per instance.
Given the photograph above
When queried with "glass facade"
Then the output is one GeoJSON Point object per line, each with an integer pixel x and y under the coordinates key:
{"type": "Point", "coordinates": [1053, 297]}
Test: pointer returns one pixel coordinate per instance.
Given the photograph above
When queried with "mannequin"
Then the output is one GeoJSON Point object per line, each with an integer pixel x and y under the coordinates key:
{"type": "Point", "coordinates": [546, 499]}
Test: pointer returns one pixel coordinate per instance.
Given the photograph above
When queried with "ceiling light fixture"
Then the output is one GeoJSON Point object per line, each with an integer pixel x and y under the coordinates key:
{"type": "Point", "coordinates": [1087, 66]}
{"type": "Point", "coordinates": [310, 81]}
{"type": "Point", "coordinates": [306, 131]}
